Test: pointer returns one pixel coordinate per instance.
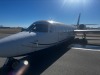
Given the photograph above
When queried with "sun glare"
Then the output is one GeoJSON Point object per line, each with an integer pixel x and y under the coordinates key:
{"type": "Point", "coordinates": [76, 2]}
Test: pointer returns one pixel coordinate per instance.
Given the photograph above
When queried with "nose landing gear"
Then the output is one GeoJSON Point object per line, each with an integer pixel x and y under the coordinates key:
{"type": "Point", "coordinates": [8, 66]}
{"type": "Point", "coordinates": [14, 67]}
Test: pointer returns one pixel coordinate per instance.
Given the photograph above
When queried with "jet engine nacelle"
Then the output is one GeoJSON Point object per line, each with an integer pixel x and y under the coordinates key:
{"type": "Point", "coordinates": [82, 26]}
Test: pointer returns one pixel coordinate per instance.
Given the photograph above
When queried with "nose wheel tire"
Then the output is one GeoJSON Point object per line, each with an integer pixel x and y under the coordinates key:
{"type": "Point", "coordinates": [15, 64]}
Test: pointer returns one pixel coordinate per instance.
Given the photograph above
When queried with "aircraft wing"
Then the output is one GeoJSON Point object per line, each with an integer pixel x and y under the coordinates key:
{"type": "Point", "coordinates": [87, 31]}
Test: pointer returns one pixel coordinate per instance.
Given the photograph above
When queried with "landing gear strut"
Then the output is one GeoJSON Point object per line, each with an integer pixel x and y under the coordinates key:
{"type": "Point", "coordinates": [84, 35]}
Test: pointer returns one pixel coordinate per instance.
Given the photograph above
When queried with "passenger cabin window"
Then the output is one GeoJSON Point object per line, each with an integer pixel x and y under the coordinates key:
{"type": "Point", "coordinates": [38, 28]}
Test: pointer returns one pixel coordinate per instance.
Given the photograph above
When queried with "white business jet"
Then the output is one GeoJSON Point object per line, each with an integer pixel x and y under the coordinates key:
{"type": "Point", "coordinates": [38, 36]}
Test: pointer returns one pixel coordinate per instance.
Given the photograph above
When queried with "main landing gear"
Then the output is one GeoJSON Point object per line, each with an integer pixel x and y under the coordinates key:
{"type": "Point", "coordinates": [84, 36]}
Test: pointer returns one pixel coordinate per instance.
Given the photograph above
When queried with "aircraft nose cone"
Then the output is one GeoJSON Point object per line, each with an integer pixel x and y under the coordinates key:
{"type": "Point", "coordinates": [11, 45]}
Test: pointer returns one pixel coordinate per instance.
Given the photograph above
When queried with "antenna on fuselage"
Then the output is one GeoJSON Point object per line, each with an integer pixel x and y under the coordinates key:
{"type": "Point", "coordinates": [51, 19]}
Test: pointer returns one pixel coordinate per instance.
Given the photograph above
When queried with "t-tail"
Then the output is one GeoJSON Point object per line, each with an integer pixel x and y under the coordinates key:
{"type": "Point", "coordinates": [78, 22]}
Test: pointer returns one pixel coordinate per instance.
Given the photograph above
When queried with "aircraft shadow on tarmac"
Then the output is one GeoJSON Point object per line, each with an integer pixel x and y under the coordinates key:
{"type": "Point", "coordinates": [41, 60]}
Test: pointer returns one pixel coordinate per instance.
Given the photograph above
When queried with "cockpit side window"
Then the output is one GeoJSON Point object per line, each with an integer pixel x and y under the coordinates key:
{"type": "Point", "coordinates": [38, 28]}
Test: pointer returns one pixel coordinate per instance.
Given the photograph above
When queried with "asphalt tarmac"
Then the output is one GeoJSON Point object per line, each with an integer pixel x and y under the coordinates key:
{"type": "Point", "coordinates": [64, 60]}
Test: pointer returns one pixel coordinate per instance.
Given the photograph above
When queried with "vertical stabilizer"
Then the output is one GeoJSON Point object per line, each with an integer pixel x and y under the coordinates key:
{"type": "Point", "coordinates": [78, 22]}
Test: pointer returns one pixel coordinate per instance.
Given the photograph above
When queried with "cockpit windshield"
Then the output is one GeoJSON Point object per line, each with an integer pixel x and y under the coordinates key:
{"type": "Point", "coordinates": [38, 27]}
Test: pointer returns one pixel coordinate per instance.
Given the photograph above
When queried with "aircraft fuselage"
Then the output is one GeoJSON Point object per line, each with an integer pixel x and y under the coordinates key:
{"type": "Point", "coordinates": [38, 36]}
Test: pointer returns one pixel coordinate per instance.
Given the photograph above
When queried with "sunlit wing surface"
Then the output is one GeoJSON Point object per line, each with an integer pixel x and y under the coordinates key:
{"type": "Point", "coordinates": [92, 31]}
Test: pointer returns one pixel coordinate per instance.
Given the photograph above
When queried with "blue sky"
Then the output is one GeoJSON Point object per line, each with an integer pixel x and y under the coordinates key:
{"type": "Point", "coordinates": [25, 12]}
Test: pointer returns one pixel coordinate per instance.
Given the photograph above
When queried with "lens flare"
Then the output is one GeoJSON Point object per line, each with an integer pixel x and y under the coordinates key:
{"type": "Point", "coordinates": [25, 62]}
